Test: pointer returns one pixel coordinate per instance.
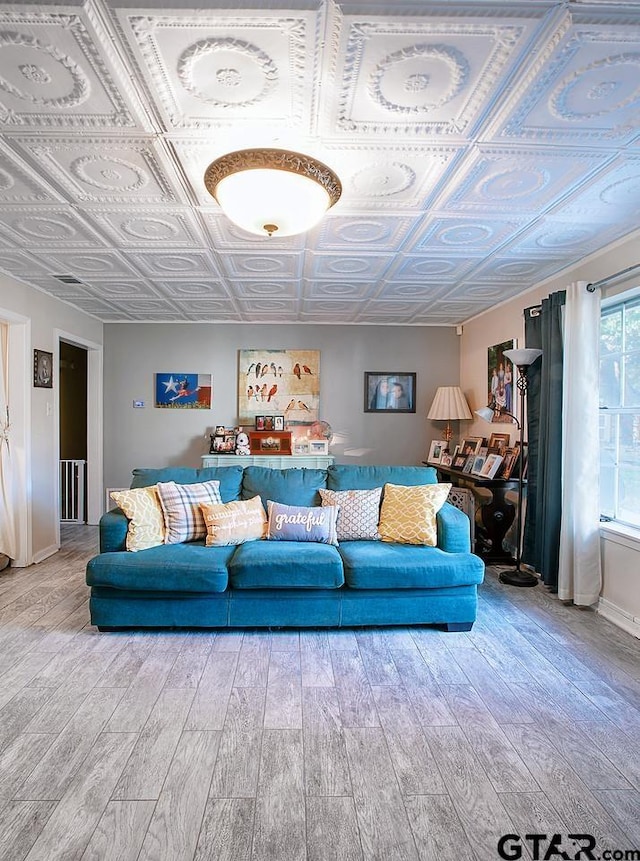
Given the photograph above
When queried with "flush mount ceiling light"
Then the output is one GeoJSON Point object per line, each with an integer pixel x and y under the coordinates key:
{"type": "Point", "coordinates": [272, 192]}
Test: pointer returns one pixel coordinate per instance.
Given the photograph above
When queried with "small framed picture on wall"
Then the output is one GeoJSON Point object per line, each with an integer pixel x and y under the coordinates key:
{"type": "Point", "coordinates": [42, 369]}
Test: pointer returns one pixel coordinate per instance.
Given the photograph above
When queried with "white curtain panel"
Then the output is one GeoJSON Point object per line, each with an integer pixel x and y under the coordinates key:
{"type": "Point", "coordinates": [7, 521]}
{"type": "Point", "coordinates": [579, 576]}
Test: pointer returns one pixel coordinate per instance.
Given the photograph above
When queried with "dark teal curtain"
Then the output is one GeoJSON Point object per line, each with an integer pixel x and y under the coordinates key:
{"type": "Point", "coordinates": [541, 545]}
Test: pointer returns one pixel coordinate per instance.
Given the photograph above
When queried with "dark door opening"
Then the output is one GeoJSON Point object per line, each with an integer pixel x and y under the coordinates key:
{"type": "Point", "coordinates": [73, 433]}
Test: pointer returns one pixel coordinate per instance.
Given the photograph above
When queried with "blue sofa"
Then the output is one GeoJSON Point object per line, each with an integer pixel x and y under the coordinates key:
{"type": "Point", "coordinates": [286, 584]}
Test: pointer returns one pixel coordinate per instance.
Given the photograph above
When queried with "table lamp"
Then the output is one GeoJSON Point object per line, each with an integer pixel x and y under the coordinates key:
{"type": "Point", "coordinates": [449, 404]}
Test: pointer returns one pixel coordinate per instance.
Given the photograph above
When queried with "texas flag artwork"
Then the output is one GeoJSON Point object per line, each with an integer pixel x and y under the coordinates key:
{"type": "Point", "coordinates": [180, 391]}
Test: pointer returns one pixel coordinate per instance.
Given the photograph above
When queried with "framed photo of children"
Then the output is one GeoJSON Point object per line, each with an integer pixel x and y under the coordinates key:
{"type": "Point", "coordinates": [500, 382]}
{"type": "Point", "coordinates": [389, 392]}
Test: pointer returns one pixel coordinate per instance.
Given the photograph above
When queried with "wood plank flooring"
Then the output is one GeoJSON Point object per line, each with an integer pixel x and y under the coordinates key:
{"type": "Point", "coordinates": [366, 745]}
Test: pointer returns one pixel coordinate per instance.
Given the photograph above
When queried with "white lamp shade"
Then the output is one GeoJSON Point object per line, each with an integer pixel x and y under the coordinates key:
{"type": "Point", "coordinates": [449, 403]}
{"type": "Point", "coordinates": [522, 357]}
{"type": "Point", "coordinates": [272, 192]}
{"type": "Point", "coordinates": [254, 199]}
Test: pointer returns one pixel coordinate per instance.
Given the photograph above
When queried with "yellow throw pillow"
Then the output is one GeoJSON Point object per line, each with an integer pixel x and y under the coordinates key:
{"type": "Point", "coordinates": [408, 514]}
{"type": "Point", "coordinates": [146, 520]}
{"type": "Point", "coordinates": [235, 522]}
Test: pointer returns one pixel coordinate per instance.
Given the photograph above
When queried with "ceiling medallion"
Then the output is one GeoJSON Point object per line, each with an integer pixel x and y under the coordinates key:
{"type": "Point", "coordinates": [272, 191]}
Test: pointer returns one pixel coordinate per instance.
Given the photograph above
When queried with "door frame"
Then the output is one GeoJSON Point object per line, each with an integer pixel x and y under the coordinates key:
{"type": "Point", "coordinates": [20, 369]}
{"type": "Point", "coordinates": [95, 476]}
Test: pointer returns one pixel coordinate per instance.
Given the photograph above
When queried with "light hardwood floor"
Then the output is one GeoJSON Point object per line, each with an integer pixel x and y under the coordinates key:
{"type": "Point", "coordinates": [386, 744]}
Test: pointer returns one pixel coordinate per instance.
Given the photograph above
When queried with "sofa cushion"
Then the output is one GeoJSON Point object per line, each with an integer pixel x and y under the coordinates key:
{"type": "Point", "coordinates": [169, 568]}
{"type": "Point", "coordinates": [142, 509]}
{"type": "Point", "coordinates": [344, 477]}
{"type": "Point", "coordinates": [285, 565]}
{"type": "Point", "coordinates": [181, 503]}
{"type": "Point", "coordinates": [291, 486]}
{"type": "Point", "coordinates": [408, 514]}
{"type": "Point", "coordinates": [230, 478]}
{"type": "Point", "coordinates": [369, 565]}
{"type": "Point", "coordinates": [302, 523]}
{"type": "Point", "coordinates": [359, 512]}
{"type": "Point", "coordinates": [234, 522]}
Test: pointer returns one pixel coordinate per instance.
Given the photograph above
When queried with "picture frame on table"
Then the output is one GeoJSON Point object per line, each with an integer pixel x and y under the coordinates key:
{"type": "Point", "coordinates": [445, 459]}
{"type": "Point", "coordinates": [260, 423]}
{"type": "Point", "coordinates": [509, 467]}
{"type": "Point", "coordinates": [436, 450]}
{"type": "Point", "coordinates": [269, 423]}
{"type": "Point", "coordinates": [300, 446]}
{"type": "Point", "coordinates": [491, 466]}
{"type": "Point", "coordinates": [459, 461]}
{"type": "Point", "coordinates": [278, 423]}
{"type": "Point", "coordinates": [468, 466]}
{"type": "Point", "coordinates": [470, 444]}
{"type": "Point", "coordinates": [389, 392]}
{"type": "Point", "coordinates": [499, 442]}
{"type": "Point", "coordinates": [318, 446]}
{"type": "Point", "coordinates": [478, 463]}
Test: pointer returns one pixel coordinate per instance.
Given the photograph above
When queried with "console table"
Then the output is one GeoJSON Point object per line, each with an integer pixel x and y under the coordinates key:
{"type": "Point", "coordinates": [496, 515]}
{"type": "Point", "coordinates": [273, 461]}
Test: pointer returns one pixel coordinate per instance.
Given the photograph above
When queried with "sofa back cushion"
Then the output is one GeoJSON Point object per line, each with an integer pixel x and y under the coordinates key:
{"type": "Point", "coordinates": [290, 486]}
{"type": "Point", "coordinates": [344, 477]}
{"type": "Point", "coordinates": [230, 478]}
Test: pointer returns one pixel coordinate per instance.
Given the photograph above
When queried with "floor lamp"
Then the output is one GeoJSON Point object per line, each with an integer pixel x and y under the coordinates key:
{"type": "Point", "coordinates": [522, 359]}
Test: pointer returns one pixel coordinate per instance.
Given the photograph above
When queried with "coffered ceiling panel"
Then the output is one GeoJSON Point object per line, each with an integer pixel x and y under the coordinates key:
{"type": "Point", "coordinates": [482, 146]}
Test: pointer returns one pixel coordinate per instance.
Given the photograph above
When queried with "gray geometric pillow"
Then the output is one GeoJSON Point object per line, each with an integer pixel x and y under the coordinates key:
{"type": "Point", "coordinates": [359, 512]}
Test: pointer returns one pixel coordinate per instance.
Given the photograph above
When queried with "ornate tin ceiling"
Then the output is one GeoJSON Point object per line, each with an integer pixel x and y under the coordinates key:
{"type": "Point", "coordinates": [482, 147]}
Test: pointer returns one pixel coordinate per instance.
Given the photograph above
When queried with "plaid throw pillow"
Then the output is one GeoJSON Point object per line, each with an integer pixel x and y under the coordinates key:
{"type": "Point", "coordinates": [181, 503]}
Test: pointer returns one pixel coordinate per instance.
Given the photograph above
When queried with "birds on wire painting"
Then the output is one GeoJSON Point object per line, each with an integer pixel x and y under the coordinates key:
{"type": "Point", "coordinates": [279, 382]}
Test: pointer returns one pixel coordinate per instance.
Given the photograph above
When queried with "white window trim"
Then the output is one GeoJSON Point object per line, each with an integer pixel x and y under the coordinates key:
{"type": "Point", "coordinates": [621, 533]}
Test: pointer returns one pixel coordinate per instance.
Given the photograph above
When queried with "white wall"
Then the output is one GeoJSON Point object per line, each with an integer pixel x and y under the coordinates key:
{"type": "Point", "coordinates": [157, 437]}
{"type": "Point", "coordinates": [621, 564]}
{"type": "Point", "coordinates": [41, 317]}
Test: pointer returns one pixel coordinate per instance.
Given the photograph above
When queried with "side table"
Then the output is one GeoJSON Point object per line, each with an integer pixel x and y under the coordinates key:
{"type": "Point", "coordinates": [496, 515]}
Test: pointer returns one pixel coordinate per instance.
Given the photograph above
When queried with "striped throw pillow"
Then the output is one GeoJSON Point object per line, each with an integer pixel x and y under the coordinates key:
{"type": "Point", "coordinates": [181, 503]}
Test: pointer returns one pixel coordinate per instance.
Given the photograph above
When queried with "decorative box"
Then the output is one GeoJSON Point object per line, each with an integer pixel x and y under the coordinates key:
{"type": "Point", "coordinates": [270, 442]}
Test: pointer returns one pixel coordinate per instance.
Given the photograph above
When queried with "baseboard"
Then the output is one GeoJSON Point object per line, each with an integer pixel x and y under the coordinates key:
{"type": "Point", "coordinates": [619, 617]}
{"type": "Point", "coordinates": [41, 555]}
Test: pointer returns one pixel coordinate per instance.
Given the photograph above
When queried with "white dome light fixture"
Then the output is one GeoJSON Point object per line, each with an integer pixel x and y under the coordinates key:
{"type": "Point", "coordinates": [272, 192]}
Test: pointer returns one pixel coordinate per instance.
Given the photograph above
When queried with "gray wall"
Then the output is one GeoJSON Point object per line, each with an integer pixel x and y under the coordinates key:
{"type": "Point", "coordinates": [158, 437]}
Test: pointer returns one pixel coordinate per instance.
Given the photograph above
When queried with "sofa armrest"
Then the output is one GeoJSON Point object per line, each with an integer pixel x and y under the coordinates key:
{"type": "Point", "coordinates": [113, 531]}
{"type": "Point", "coordinates": [454, 530]}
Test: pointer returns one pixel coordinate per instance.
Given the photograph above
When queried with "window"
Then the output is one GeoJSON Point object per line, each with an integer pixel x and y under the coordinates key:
{"type": "Point", "coordinates": [620, 411]}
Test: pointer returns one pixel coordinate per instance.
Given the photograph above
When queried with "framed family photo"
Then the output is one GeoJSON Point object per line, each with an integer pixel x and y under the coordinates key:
{"type": "Point", "coordinates": [389, 392]}
{"type": "Point", "coordinates": [500, 381]}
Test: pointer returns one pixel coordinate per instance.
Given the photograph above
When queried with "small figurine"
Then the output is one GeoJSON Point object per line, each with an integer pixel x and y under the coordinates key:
{"type": "Point", "coordinates": [242, 443]}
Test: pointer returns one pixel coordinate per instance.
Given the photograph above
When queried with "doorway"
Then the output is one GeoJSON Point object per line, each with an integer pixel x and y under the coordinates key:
{"type": "Point", "coordinates": [72, 374]}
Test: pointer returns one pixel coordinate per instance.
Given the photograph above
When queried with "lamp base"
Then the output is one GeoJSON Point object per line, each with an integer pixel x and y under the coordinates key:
{"type": "Point", "coordinates": [517, 578]}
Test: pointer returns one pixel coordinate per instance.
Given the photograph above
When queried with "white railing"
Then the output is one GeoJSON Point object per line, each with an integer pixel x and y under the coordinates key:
{"type": "Point", "coordinates": [72, 491]}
